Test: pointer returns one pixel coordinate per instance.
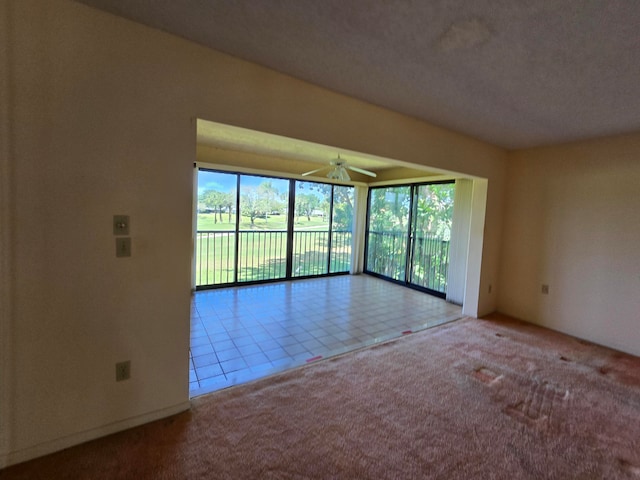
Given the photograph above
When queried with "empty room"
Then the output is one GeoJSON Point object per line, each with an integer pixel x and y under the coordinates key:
{"type": "Point", "coordinates": [279, 285]}
{"type": "Point", "coordinates": [304, 239]}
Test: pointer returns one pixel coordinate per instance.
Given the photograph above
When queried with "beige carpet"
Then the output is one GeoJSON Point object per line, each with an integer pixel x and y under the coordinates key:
{"type": "Point", "coordinates": [472, 399]}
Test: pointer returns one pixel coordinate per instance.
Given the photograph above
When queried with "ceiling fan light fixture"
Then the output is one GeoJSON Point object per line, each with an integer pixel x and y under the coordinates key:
{"type": "Point", "coordinates": [339, 173]}
{"type": "Point", "coordinates": [338, 170]}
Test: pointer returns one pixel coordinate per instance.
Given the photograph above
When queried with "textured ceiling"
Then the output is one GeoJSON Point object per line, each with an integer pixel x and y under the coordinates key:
{"type": "Point", "coordinates": [515, 73]}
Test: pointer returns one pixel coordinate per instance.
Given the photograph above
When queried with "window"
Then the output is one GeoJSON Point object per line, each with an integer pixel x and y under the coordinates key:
{"type": "Point", "coordinates": [254, 228]}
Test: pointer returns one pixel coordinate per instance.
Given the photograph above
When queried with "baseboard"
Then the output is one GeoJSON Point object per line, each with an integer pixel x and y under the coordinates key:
{"type": "Point", "coordinates": [46, 448]}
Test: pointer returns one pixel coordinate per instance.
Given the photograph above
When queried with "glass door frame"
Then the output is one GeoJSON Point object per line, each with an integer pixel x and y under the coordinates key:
{"type": "Point", "coordinates": [410, 237]}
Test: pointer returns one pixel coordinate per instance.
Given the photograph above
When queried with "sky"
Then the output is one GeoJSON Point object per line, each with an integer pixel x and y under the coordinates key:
{"type": "Point", "coordinates": [226, 182]}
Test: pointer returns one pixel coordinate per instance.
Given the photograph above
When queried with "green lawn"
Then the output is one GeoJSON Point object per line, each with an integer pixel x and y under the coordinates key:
{"type": "Point", "coordinates": [263, 255]}
{"type": "Point", "coordinates": [206, 221]}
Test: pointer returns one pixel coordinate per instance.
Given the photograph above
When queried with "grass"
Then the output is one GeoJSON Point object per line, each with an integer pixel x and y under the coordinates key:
{"type": "Point", "coordinates": [263, 255]}
{"type": "Point", "coordinates": [262, 249]}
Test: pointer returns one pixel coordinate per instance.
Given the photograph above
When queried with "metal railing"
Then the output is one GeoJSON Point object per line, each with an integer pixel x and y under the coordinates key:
{"type": "Point", "coordinates": [340, 251]}
{"type": "Point", "coordinates": [215, 257]}
{"type": "Point", "coordinates": [311, 252]}
{"type": "Point", "coordinates": [387, 254]}
{"type": "Point", "coordinates": [262, 255]}
{"type": "Point", "coordinates": [429, 262]}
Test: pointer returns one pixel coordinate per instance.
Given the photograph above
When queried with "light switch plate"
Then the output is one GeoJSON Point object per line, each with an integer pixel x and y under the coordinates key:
{"type": "Point", "coordinates": [123, 370]}
{"type": "Point", "coordinates": [121, 224]}
{"type": "Point", "coordinates": [123, 247]}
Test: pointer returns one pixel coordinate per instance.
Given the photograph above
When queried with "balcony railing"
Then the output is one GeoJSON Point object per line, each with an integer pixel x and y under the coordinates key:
{"type": "Point", "coordinates": [215, 257]}
{"type": "Point", "coordinates": [262, 255]}
{"type": "Point", "coordinates": [429, 263]}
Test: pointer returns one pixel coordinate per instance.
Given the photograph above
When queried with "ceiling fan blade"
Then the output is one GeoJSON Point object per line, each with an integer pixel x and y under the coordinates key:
{"type": "Point", "coordinates": [360, 170]}
{"type": "Point", "coordinates": [314, 171]}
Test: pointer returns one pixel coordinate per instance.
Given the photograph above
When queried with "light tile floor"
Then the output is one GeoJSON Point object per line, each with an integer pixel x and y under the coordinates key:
{"type": "Point", "coordinates": [239, 334]}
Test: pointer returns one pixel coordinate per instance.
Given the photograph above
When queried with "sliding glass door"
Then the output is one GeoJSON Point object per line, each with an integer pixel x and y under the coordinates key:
{"type": "Point", "coordinates": [262, 229]}
{"type": "Point", "coordinates": [388, 233]}
{"type": "Point", "coordinates": [408, 234]}
{"type": "Point", "coordinates": [254, 228]}
{"type": "Point", "coordinates": [217, 228]}
{"type": "Point", "coordinates": [431, 235]}
{"type": "Point", "coordinates": [341, 228]}
{"type": "Point", "coordinates": [311, 229]}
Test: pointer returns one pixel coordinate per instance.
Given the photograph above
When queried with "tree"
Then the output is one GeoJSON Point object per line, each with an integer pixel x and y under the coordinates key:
{"type": "Point", "coordinates": [306, 203]}
{"type": "Point", "coordinates": [343, 208]}
{"type": "Point", "coordinates": [215, 201]}
{"type": "Point", "coordinates": [435, 210]}
{"type": "Point", "coordinates": [270, 198]}
{"type": "Point", "coordinates": [250, 203]}
{"type": "Point", "coordinates": [260, 200]}
{"type": "Point", "coordinates": [230, 202]}
{"type": "Point", "coordinates": [389, 209]}
{"type": "Point", "coordinates": [342, 203]}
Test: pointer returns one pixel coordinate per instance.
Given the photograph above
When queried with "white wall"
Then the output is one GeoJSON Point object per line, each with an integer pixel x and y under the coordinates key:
{"type": "Point", "coordinates": [102, 122]}
{"type": "Point", "coordinates": [6, 255]}
{"type": "Point", "coordinates": [573, 222]}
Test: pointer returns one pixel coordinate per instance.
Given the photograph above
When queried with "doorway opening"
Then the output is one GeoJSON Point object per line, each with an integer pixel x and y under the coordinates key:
{"type": "Point", "coordinates": [282, 239]}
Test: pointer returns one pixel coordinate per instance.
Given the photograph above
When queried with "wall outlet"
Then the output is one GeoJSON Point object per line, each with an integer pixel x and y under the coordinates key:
{"type": "Point", "coordinates": [545, 289]}
{"type": "Point", "coordinates": [123, 370]}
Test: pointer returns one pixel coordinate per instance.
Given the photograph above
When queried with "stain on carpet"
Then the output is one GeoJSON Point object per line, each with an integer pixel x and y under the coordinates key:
{"type": "Point", "coordinates": [486, 375]}
{"type": "Point", "coordinates": [623, 369]}
{"type": "Point", "coordinates": [537, 407]}
{"type": "Point", "coordinates": [629, 467]}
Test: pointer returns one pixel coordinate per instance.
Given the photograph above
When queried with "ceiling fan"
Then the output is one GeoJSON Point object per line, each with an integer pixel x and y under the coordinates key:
{"type": "Point", "coordinates": [339, 169]}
